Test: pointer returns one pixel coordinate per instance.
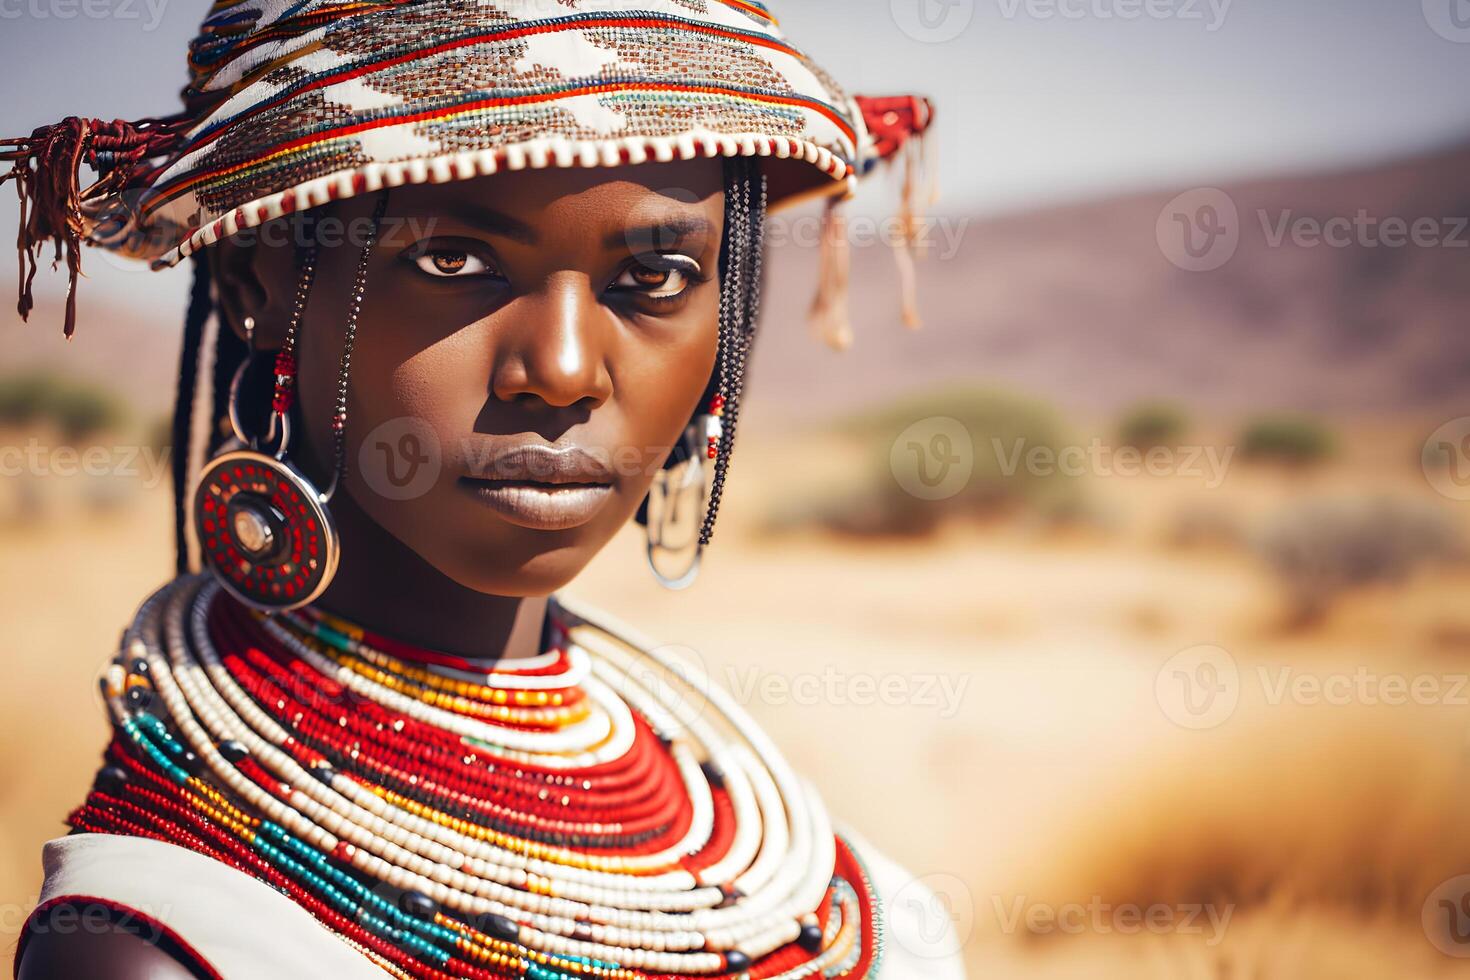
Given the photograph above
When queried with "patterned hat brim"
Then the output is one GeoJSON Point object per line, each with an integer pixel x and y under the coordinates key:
{"type": "Point", "coordinates": [311, 101]}
{"type": "Point", "coordinates": [821, 173]}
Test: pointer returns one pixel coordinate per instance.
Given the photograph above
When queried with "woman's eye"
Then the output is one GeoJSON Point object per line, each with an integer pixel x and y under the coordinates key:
{"type": "Point", "coordinates": [451, 264]}
{"type": "Point", "coordinates": [656, 282]}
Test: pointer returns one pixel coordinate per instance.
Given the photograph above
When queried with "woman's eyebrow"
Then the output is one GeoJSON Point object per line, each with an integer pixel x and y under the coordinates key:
{"type": "Point", "coordinates": [496, 223]}
{"type": "Point", "coordinates": [659, 233]}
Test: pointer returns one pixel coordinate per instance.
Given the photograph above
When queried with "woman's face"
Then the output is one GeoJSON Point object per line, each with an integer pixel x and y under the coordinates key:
{"type": "Point", "coordinates": [530, 347]}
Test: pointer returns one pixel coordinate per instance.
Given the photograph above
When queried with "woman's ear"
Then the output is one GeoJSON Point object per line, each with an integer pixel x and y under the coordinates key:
{"type": "Point", "coordinates": [255, 276]}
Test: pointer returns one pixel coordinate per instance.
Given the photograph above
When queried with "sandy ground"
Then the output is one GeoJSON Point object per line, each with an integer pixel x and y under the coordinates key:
{"type": "Point", "coordinates": [991, 707]}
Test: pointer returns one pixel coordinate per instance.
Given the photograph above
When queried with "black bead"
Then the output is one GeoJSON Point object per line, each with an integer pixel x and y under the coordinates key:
{"type": "Point", "coordinates": [110, 779]}
{"type": "Point", "coordinates": [418, 905]}
{"type": "Point", "coordinates": [499, 927]}
{"type": "Point", "coordinates": [139, 666]}
{"type": "Point", "coordinates": [736, 961]}
{"type": "Point", "coordinates": [714, 774]}
{"type": "Point", "coordinates": [323, 773]}
{"type": "Point", "coordinates": [811, 938]}
{"type": "Point", "coordinates": [232, 750]}
{"type": "Point", "coordinates": [140, 697]}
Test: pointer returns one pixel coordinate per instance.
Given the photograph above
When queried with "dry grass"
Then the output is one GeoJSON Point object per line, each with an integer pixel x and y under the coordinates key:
{"type": "Point", "coordinates": [1056, 779]}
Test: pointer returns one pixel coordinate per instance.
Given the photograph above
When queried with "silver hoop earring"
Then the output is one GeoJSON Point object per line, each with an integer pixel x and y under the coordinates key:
{"type": "Point", "coordinates": [264, 529]}
{"type": "Point", "coordinates": [676, 502]}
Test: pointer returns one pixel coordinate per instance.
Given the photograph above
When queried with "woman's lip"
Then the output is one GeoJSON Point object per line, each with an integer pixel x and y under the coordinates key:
{"type": "Point", "coordinates": [540, 506]}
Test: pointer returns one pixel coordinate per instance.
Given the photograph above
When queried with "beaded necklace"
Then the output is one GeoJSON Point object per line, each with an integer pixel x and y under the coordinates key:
{"type": "Point", "coordinates": [589, 812]}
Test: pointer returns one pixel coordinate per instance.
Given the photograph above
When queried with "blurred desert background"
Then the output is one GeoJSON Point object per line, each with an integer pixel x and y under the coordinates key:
{"type": "Point", "coordinates": [1204, 719]}
{"type": "Point", "coordinates": [1124, 603]}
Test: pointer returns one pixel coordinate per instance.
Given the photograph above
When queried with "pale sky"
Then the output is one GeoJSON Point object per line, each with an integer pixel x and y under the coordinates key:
{"type": "Point", "coordinates": [1039, 101]}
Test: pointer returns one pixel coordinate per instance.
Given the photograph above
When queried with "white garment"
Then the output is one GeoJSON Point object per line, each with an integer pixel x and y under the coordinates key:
{"type": "Point", "coordinates": [244, 929]}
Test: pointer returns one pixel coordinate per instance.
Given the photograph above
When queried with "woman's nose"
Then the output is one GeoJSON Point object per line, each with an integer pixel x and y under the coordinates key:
{"type": "Point", "coordinates": [552, 345]}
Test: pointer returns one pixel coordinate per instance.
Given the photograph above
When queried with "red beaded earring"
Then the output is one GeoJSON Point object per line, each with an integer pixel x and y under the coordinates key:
{"type": "Point", "coordinates": [263, 527]}
{"type": "Point", "coordinates": [713, 427]}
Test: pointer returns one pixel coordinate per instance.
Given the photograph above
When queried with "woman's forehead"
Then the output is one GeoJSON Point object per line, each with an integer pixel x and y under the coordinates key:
{"type": "Point", "coordinates": [647, 190]}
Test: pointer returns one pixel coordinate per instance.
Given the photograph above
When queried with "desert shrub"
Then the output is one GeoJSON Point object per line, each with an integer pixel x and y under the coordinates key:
{"type": "Point", "coordinates": [1321, 549]}
{"type": "Point", "coordinates": [1152, 424]}
{"type": "Point", "coordinates": [77, 410]}
{"type": "Point", "coordinates": [1203, 525]}
{"type": "Point", "coordinates": [1292, 439]}
{"type": "Point", "coordinates": [26, 398]}
{"type": "Point", "coordinates": [81, 412]}
{"type": "Point", "coordinates": [1003, 428]}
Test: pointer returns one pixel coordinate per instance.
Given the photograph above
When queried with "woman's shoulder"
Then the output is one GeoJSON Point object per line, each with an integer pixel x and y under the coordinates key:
{"type": "Point", "coordinates": [195, 913]}
{"type": "Point", "coordinates": [919, 935]}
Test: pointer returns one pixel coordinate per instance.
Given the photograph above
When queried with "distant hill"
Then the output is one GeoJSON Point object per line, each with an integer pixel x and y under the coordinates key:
{"type": "Point", "coordinates": [1081, 305]}
{"type": "Point", "coordinates": [1078, 304]}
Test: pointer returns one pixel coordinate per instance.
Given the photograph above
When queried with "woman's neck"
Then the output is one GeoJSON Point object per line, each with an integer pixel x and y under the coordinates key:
{"type": "Point", "coordinates": [383, 586]}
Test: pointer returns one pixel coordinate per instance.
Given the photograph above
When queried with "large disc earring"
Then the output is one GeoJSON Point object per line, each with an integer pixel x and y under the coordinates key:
{"type": "Point", "coordinates": [675, 509]}
{"type": "Point", "coordinates": [264, 529]}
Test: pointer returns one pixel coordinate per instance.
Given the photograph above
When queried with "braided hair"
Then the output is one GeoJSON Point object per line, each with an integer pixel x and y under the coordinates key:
{"type": "Point", "coordinates": [741, 252]}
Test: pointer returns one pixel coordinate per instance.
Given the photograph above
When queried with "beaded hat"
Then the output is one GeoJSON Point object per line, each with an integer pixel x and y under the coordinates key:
{"type": "Point", "coordinates": [295, 103]}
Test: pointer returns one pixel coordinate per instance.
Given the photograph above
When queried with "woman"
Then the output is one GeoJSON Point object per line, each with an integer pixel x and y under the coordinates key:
{"type": "Point", "coordinates": [475, 284]}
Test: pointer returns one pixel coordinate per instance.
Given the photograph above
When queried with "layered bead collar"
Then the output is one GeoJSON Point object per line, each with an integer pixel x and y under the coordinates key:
{"type": "Point", "coordinates": [596, 811]}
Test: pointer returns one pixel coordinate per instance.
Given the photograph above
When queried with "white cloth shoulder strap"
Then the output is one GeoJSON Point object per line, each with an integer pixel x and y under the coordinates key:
{"type": "Point", "coordinates": [244, 929]}
{"type": "Point", "coordinates": [241, 927]}
{"type": "Point", "coordinates": [919, 937]}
